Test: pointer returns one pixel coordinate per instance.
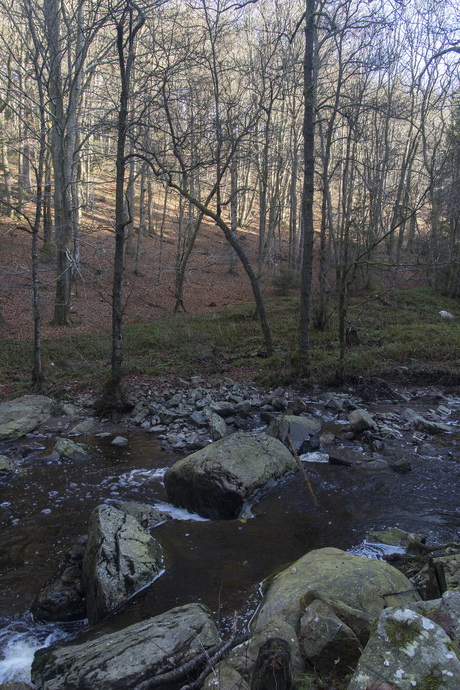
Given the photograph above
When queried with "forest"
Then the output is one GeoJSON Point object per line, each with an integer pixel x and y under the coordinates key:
{"type": "Point", "coordinates": [329, 130]}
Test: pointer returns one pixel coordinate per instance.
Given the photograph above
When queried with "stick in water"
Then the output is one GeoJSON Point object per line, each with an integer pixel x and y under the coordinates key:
{"type": "Point", "coordinates": [294, 452]}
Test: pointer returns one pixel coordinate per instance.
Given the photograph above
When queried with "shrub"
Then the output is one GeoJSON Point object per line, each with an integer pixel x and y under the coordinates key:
{"type": "Point", "coordinates": [286, 279]}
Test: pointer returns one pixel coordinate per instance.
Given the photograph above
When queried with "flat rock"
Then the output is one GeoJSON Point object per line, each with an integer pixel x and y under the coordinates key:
{"type": "Point", "coordinates": [131, 658]}
{"type": "Point", "coordinates": [348, 457]}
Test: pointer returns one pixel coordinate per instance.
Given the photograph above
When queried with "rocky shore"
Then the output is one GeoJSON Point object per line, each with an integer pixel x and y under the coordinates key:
{"type": "Point", "coordinates": [364, 622]}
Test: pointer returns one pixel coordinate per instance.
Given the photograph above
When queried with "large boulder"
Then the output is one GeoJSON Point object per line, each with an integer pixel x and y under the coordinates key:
{"type": "Point", "coordinates": [19, 417]}
{"type": "Point", "coordinates": [130, 658]}
{"type": "Point", "coordinates": [120, 559]}
{"type": "Point", "coordinates": [408, 650]}
{"type": "Point", "coordinates": [361, 584]}
{"type": "Point", "coordinates": [217, 480]}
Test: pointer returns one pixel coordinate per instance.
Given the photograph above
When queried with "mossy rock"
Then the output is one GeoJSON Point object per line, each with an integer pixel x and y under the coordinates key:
{"type": "Point", "coordinates": [363, 584]}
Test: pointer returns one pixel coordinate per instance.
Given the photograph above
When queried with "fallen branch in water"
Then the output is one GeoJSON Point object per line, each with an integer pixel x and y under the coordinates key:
{"type": "Point", "coordinates": [304, 472]}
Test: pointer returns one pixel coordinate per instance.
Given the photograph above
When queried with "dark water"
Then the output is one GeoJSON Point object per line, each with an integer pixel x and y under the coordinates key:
{"type": "Point", "coordinates": [45, 507]}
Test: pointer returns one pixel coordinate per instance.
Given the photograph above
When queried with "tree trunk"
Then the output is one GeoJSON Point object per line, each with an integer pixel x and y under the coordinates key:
{"type": "Point", "coordinates": [308, 192]}
{"type": "Point", "coordinates": [142, 214]}
{"type": "Point", "coordinates": [114, 398]}
{"type": "Point", "coordinates": [62, 205]}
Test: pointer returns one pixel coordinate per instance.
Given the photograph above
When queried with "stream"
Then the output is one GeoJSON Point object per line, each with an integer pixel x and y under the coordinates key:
{"type": "Point", "coordinates": [45, 507]}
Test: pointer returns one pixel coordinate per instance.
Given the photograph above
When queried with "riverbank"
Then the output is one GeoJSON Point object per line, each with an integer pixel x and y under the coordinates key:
{"type": "Point", "coordinates": [401, 471]}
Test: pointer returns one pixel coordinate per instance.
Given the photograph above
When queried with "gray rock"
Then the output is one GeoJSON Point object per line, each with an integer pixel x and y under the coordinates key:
{"type": "Point", "coordinates": [198, 418]}
{"type": "Point", "coordinates": [389, 432]}
{"type": "Point", "coordinates": [299, 429]}
{"type": "Point", "coordinates": [23, 415]}
{"type": "Point", "coordinates": [131, 658]}
{"type": "Point", "coordinates": [120, 441]}
{"type": "Point", "coordinates": [62, 598]}
{"type": "Point", "coordinates": [360, 622]}
{"type": "Point", "coordinates": [409, 415]}
{"type": "Point", "coordinates": [392, 537]}
{"type": "Point", "coordinates": [401, 466]}
{"type": "Point", "coordinates": [408, 650]}
{"type": "Point", "coordinates": [432, 427]}
{"type": "Point", "coordinates": [71, 450]}
{"type": "Point", "coordinates": [348, 457]}
{"type": "Point", "coordinates": [217, 480]}
{"type": "Point", "coordinates": [148, 516]}
{"type": "Point", "coordinates": [243, 657]}
{"type": "Point", "coordinates": [360, 420]}
{"type": "Point", "coordinates": [243, 406]}
{"type": "Point", "coordinates": [425, 424]}
{"type": "Point", "coordinates": [175, 401]}
{"type": "Point", "coordinates": [225, 677]}
{"type": "Point", "coordinates": [69, 409]}
{"type": "Point", "coordinates": [224, 408]}
{"type": "Point", "coordinates": [6, 464]}
{"type": "Point", "coordinates": [444, 611]}
{"type": "Point", "coordinates": [217, 426]}
{"type": "Point", "coordinates": [169, 416]}
{"type": "Point", "coordinates": [82, 427]}
{"type": "Point", "coordinates": [120, 559]}
{"type": "Point", "coordinates": [328, 643]}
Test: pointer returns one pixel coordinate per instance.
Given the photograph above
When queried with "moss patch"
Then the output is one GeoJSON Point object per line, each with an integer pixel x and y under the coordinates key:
{"type": "Point", "coordinates": [402, 633]}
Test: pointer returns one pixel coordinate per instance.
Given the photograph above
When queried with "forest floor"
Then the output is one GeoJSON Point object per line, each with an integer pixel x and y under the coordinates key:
{"type": "Point", "coordinates": [208, 286]}
{"type": "Point", "coordinates": [398, 333]}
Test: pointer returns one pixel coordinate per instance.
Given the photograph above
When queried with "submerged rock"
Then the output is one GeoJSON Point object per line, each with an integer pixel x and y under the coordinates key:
{"type": "Point", "coordinates": [120, 559]}
{"type": "Point", "coordinates": [216, 481]}
{"type": "Point", "coordinates": [131, 658]}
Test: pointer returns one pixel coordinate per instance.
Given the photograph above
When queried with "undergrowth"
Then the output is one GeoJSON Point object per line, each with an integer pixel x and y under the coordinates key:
{"type": "Point", "coordinates": [401, 337]}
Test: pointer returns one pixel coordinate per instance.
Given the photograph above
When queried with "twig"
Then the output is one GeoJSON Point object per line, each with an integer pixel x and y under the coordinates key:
{"type": "Point", "coordinates": [307, 479]}
{"type": "Point", "coordinates": [233, 642]}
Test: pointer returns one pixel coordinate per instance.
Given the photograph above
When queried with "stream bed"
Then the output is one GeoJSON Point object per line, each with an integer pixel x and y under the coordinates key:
{"type": "Point", "coordinates": [45, 507]}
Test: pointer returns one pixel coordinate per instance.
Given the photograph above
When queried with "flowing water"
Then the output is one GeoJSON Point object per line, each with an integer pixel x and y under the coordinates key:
{"type": "Point", "coordinates": [45, 506]}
